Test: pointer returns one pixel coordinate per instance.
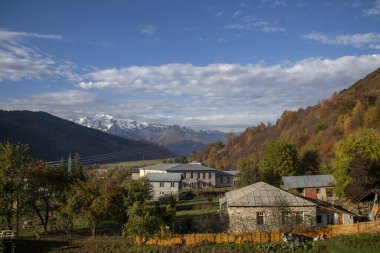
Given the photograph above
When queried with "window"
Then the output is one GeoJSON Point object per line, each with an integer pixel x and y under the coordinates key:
{"type": "Point", "coordinates": [299, 216]}
{"type": "Point", "coordinates": [283, 218]}
{"type": "Point", "coordinates": [209, 175]}
{"type": "Point", "coordinates": [162, 184]}
{"type": "Point", "coordinates": [191, 175]}
{"type": "Point", "coordinates": [204, 175]}
{"type": "Point", "coordinates": [209, 184]}
{"type": "Point", "coordinates": [319, 219]}
{"type": "Point", "coordinates": [221, 180]}
{"type": "Point", "coordinates": [260, 218]}
{"type": "Point", "coordinates": [204, 184]}
{"type": "Point", "coordinates": [184, 175]}
{"type": "Point", "coordinates": [184, 185]}
{"type": "Point", "coordinates": [172, 184]}
{"type": "Point", "coordinates": [329, 192]}
{"type": "Point", "coordinates": [199, 175]}
{"type": "Point", "coordinates": [228, 180]}
{"type": "Point", "coordinates": [330, 219]}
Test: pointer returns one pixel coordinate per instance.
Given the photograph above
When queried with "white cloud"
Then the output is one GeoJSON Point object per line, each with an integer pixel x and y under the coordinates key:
{"type": "Point", "coordinates": [251, 23]}
{"type": "Point", "coordinates": [20, 60]}
{"type": "Point", "coordinates": [279, 3]}
{"type": "Point", "coordinates": [358, 40]}
{"type": "Point", "coordinates": [226, 95]}
{"type": "Point", "coordinates": [148, 30]}
{"type": "Point", "coordinates": [219, 14]}
{"type": "Point", "coordinates": [373, 11]}
{"type": "Point", "coordinates": [60, 102]}
{"type": "Point", "coordinates": [237, 14]}
{"type": "Point", "coordinates": [13, 35]}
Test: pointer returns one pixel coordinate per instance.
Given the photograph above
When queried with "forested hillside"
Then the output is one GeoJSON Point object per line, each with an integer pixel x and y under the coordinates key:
{"type": "Point", "coordinates": [314, 131]}
{"type": "Point", "coordinates": [53, 138]}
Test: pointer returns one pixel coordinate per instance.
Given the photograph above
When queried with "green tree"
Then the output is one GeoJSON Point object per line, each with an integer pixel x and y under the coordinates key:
{"type": "Point", "coordinates": [77, 169]}
{"type": "Point", "coordinates": [142, 221]}
{"type": "Point", "coordinates": [45, 185]}
{"type": "Point", "coordinates": [279, 159]}
{"type": "Point", "coordinates": [248, 172]}
{"type": "Point", "coordinates": [310, 162]}
{"type": "Point", "coordinates": [14, 161]}
{"type": "Point", "coordinates": [363, 142]}
{"type": "Point", "coordinates": [139, 191]}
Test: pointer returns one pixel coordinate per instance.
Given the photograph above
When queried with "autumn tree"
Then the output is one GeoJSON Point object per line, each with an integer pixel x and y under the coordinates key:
{"type": "Point", "coordinates": [14, 161]}
{"type": "Point", "coordinates": [279, 159]}
{"type": "Point", "coordinates": [248, 172]}
{"type": "Point", "coordinates": [362, 142]}
{"type": "Point", "coordinates": [93, 201]}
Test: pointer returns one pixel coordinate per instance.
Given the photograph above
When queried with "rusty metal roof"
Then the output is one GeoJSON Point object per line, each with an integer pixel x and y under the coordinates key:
{"type": "Point", "coordinates": [263, 195]}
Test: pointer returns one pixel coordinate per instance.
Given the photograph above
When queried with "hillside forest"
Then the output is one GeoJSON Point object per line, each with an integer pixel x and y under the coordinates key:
{"type": "Point", "coordinates": [329, 137]}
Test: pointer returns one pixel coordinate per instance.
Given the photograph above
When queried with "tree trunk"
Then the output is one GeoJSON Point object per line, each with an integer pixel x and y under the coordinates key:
{"type": "Point", "coordinates": [93, 230]}
{"type": "Point", "coordinates": [46, 216]}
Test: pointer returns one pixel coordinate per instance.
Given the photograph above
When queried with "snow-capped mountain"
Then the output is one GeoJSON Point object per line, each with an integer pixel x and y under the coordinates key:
{"type": "Point", "coordinates": [182, 140]}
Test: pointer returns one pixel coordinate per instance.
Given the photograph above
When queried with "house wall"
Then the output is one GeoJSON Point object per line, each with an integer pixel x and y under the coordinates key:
{"type": "Point", "coordinates": [206, 179]}
{"type": "Point", "coordinates": [224, 181]}
{"type": "Point", "coordinates": [135, 176]}
{"type": "Point", "coordinates": [328, 217]}
{"type": "Point", "coordinates": [244, 219]}
{"type": "Point", "coordinates": [317, 193]}
{"type": "Point", "coordinates": [166, 190]}
{"type": "Point", "coordinates": [143, 172]}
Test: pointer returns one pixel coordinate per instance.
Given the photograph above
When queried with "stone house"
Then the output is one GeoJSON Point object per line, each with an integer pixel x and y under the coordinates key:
{"type": "Point", "coordinates": [165, 184]}
{"type": "Point", "coordinates": [312, 186]}
{"type": "Point", "coordinates": [263, 207]}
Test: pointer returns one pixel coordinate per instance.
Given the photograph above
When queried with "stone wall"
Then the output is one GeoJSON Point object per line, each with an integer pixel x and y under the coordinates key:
{"type": "Point", "coordinates": [244, 219]}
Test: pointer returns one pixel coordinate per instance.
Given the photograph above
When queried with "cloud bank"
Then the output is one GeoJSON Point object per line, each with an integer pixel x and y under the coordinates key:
{"type": "Point", "coordinates": [230, 94]}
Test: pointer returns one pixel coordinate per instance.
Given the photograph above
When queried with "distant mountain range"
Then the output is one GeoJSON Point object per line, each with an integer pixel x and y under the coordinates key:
{"type": "Point", "coordinates": [51, 138]}
{"type": "Point", "coordinates": [181, 140]}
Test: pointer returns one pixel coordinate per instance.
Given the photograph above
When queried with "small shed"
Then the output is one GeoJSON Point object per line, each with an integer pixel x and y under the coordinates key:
{"type": "Point", "coordinates": [372, 197]}
{"type": "Point", "coordinates": [312, 186]}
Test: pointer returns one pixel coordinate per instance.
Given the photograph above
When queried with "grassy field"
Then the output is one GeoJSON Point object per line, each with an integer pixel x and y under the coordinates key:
{"type": "Point", "coordinates": [368, 243]}
{"type": "Point", "coordinates": [129, 165]}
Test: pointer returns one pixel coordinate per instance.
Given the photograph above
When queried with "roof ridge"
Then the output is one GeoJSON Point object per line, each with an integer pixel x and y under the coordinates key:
{"type": "Point", "coordinates": [246, 187]}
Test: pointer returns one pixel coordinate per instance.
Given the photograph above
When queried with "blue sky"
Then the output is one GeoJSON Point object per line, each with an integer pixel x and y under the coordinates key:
{"type": "Point", "coordinates": [219, 64]}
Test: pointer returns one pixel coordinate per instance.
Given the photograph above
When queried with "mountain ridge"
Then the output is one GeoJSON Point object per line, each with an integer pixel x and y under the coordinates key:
{"type": "Point", "coordinates": [180, 139]}
{"type": "Point", "coordinates": [51, 138]}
